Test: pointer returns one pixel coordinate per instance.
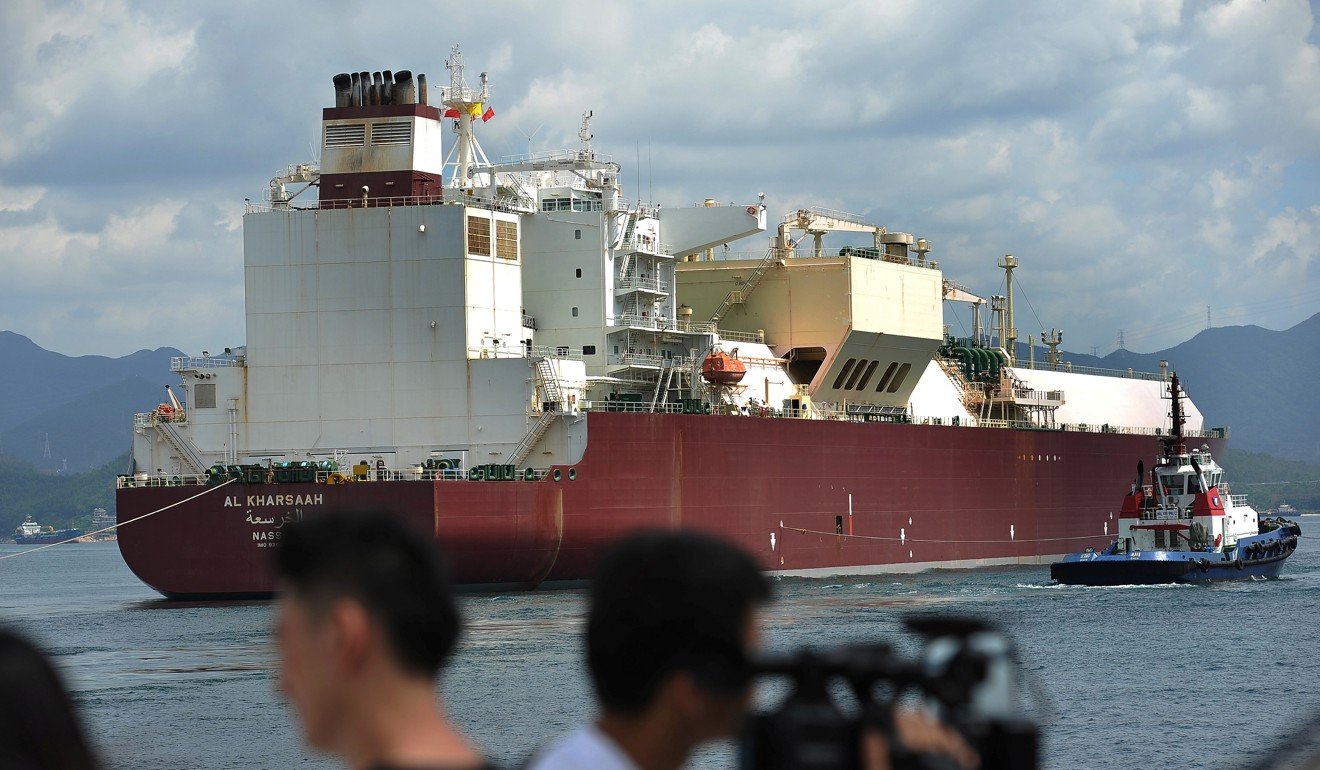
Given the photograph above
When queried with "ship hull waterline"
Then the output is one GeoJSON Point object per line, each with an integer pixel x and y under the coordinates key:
{"type": "Point", "coordinates": [805, 497]}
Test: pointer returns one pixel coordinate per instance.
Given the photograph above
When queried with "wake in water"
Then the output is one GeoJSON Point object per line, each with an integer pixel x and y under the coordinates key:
{"type": "Point", "coordinates": [1052, 586]}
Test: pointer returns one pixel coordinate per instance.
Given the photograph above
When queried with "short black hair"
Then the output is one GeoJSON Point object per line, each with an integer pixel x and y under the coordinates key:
{"type": "Point", "coordinates": [38, 725]}
{"type": "Point", "coordinates": [670, 602]}
{"type": "Point", "coordinates": [401, 579]}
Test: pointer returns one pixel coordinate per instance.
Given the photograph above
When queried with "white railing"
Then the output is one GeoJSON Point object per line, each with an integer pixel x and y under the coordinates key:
{"type": "Point", "coordinates": [192, 363]}
{"type": "Point", "coordinates": [647, 284]}
{"type": "Point", "coordinates": [646, 359]}
{"type": "Point", "coordinates": [1237, 500]}
{"type": "Point", "coordinates": [1067, 367]}
{"type": "Point", "coordinates": [643, 247]}
{"type": "Point", "coordinates": [737, 336]}
{"type": "Point", "coordinates": [510, 203]}
{"type": "Point", "coordinates": [342, 476]}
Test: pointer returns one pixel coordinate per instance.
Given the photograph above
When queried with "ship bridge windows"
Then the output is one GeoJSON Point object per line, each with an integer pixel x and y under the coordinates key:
{"type": "Point", "coordinates": [571, 204]}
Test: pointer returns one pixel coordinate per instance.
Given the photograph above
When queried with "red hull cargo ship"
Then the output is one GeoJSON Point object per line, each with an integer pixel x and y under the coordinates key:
{"type": "Point", "coordinates": [517, 360]}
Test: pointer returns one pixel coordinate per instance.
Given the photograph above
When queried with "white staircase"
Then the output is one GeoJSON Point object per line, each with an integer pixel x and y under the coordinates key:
{"type": "Point", "coordinates": [740, 294]}
{"type": "Point", "coordinates": [551, 394]}
{"type": "Point", "coordinates": [183, 448]}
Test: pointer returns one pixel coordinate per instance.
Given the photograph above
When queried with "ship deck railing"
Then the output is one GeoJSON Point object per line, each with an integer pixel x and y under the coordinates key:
{"type": "Point", "coordinates": [451, 197]}
{"type": "Point", "coordinates": [193, 363]}
{"type": "Point", "coordinates": [1043, 366]}
{"type": "Point", "coordinates": [344, 476]}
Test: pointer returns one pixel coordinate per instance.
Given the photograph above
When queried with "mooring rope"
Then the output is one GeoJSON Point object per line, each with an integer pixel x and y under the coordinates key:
{"type": "Point", "coordinates": [207, 491]}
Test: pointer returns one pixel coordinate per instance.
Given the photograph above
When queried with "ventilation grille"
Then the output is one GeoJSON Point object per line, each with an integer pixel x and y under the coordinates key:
{"type": "Point", "coordinates": [391, 133]}
{"type": "Point", "coordinates": [204, 396]}
{"type": "Point", "coordinates": [350, 135]}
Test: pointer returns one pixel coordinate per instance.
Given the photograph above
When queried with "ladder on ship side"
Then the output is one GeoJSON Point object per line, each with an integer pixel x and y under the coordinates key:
{"type": "Point", "coordinates": [533, 437]}
{"type": "Point", "coordinates": [182, 447]}
{"type": "Point", "coordinates": [551, 407]}
{"type": "Point", "coordinates": [741, 293]}
{"type": "Point", "coordinates": [662, 382]}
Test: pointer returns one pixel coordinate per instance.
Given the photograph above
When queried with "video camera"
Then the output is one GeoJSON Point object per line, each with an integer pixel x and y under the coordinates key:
{"type": "Point", "coordinates": [966, 669]}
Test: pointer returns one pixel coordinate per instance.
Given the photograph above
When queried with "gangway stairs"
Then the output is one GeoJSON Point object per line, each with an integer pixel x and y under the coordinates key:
{"type": "Point", "coordinates": [662, 382]}
{"type": "Point", "coordinates": [183, 448]}
{"type": "Point", "coordinates": [551, 408]}
{"type": "Point", "coordinates": [741, 293]}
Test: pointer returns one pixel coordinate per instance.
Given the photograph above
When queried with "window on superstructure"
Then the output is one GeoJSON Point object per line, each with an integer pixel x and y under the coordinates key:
{"type": "Point", "coordinates": [857, 372]}
{"type": "Point", "coordinates": [478, 236]}
{"type": "Point", "coordinates": [506, 239]}
{"type": "Point", "coordinates": [204, 395]}
{"type": "Point", "coordinates": [577, 234]}
{"type": "Point", "coordinates": [866, 378]}
{"type": "Point", "coordinates": [847, 368]}
{"type": "Point", "coordinates": [575, 312]}
{"type": "Point", "coordinates": [898, 378]}
{"type": "Point", "coordinates": [578, 272]}
{"type": "Point", "coordinates": [588, 350]}
{"type": "Point", "coordinates": [889, 373]}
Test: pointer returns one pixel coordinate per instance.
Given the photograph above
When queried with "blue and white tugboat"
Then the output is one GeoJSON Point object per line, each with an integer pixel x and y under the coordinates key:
{"type": "Point", "coordinates": [1184, 526]}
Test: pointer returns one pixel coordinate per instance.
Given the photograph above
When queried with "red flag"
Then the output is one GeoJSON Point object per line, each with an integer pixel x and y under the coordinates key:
{"type": "Point", "coordinates": [488, 114]}
{"type": "Point", "coordinates": [451, 113]}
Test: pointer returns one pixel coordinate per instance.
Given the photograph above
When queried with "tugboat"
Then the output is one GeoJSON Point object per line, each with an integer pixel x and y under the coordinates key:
{"type": "Point", "coordinates": [1184, 526]}
{"type": "Point", "coordinates": [32, 533]}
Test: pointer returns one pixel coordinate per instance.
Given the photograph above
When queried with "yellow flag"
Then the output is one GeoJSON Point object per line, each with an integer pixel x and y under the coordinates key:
{"type": "Point", "coordinates": [475, 110]}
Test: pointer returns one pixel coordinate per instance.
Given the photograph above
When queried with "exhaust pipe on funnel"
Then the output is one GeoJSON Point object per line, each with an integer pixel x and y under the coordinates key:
{"type": "Point", "coordinates": [421, 89]}
{"type": "Point", "coordinates": [405, 90]}
{"type": "Point", "coordinates": [343, 89]}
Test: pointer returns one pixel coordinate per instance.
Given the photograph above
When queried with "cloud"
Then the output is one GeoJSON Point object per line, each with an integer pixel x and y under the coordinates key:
{"type": "Point", "coordinates": [1118, 148]}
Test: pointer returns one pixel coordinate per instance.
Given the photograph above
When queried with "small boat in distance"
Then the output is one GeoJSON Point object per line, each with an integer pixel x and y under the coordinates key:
{"type": "Point", "coordinates": [1183, 527]}
{"type": "Point", "coordinates": [32, 533]}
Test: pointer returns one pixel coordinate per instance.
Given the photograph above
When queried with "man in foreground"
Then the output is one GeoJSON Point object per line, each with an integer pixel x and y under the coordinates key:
{"type": "Point", "coordinates": [366, 619]}
{"type": "Point", "coordinates": [673, 619]}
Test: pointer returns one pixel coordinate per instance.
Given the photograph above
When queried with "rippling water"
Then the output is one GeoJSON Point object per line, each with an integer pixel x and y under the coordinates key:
{"type": "Point", "coordinates": [1188, 677]}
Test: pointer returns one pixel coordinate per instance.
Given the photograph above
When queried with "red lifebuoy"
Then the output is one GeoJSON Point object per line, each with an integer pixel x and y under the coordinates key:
{"type": "Point", "coordinates": [751, 210]}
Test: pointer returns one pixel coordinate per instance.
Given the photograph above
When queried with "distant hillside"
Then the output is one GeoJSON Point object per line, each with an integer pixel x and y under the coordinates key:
{"type": "Point", "coordinates": [85, 403]}
{"type": "Point", "coordinates": [1260, 383]}
{"type": "Point", "coordinates": [1268, 480]}
{"type": "Point", "coordinates": [55, 500]}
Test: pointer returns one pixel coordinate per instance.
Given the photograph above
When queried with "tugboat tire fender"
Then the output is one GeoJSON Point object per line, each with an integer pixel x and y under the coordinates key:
{"type": "Point", "coordinates": [1205, 565]}
{"type": "Point", "coordinates": [1237, 563]}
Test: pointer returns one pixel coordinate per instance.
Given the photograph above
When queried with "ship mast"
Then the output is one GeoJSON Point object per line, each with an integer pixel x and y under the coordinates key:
{"type": "Point", "coordinates": [465, 105]}
{"type": "Point", "coordinates": [1175, 394]}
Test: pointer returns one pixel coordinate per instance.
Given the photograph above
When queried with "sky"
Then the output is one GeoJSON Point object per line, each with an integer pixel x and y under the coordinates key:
{"type": "Point", "coordinates": [1144, 160]}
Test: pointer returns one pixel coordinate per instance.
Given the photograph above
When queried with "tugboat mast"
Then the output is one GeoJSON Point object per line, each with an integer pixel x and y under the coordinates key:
{"type": "Point", "coordinates": [1179, 446]}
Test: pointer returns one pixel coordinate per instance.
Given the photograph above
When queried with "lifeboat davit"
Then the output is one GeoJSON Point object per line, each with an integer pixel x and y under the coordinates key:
{"type": "Point", "coordinates": [722, 368]}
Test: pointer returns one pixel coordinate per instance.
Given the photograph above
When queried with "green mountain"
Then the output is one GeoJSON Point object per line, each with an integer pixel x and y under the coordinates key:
{"type": "Point", "coordinates": [58, 500]}
{"type": "Point", "coordinates": [1259, 383]}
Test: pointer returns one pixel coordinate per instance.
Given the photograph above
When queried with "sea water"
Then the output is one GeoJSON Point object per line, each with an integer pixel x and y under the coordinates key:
{"type": "Point", "coordinates": [1171, 676]}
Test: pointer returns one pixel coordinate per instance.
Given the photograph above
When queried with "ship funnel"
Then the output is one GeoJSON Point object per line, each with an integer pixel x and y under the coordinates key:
{"type": "Point", "coordinates": [343, 90]}
{"type": "Point", "coordinates": [387, 89]}
{"type": "Point", "coordinates": [405, 90]}
{"type": "Point", "coordinates": [421, 89]}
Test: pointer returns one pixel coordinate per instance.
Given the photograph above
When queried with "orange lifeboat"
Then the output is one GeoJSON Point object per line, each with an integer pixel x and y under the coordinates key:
{"type": "Point", "coordinates": [722, 368]}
